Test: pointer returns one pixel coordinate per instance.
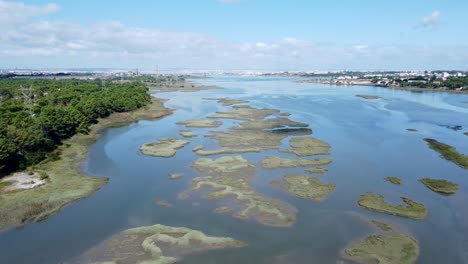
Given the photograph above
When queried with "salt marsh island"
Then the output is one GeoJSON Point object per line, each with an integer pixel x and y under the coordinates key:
{"type": "Point", "coordinates": [410, 209]}
{"type": "Point", "coordinates": [305, 187]}
{"type": "Point", "coordinates": [165, 147]}
{"type": "Point", "coordinates": [156, 244]}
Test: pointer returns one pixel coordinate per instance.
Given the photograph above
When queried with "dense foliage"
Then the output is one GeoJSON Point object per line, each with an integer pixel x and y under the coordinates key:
{"type": "Point", "coordinates": [37, 114]}
{"type": "Point", "coordinates": [422, 82]}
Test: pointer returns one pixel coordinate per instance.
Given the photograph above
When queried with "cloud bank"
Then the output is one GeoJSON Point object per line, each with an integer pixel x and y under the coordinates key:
{"type": "Point", "coordinates": [30, 40]}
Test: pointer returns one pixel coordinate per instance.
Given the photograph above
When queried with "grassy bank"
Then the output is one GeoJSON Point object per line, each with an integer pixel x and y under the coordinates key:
{"type": "Point", "coordinates": [66, 183]}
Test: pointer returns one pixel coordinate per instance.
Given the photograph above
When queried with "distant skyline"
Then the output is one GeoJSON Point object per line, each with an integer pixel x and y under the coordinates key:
{"type": "Point", "coordinates": [235, 34]}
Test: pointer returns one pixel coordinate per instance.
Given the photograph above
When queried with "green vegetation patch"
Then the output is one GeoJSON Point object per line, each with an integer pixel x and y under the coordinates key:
{"type": "Point", "coordinates": [382, 226]}
{"type": "Point", "coordinates": [244, 113]}
{"type": "Point", "coordinates": [440, 186]}
{"type": "Point", "coordinates": [5, 184]}
{"type": "Point", "coordinates": [318, 170]}
{"type": "Point", "coordinates": [274, 162]}
{"type": "Point", "coordinates": [165, 147]}
{"type": "Point", "coordinates": [231, 177]}
{"type": "Point", "coordinates": [376, 203]}
{"type": "Point", "coordinates": [391, 249]}
{"type": "Point", "coordinates": [371, 97]}
{"type": "Point", "coordinates": [394, 180]}
{"type": "Point", "coordinates": [156, 244]}
{"type": "Point", "coordinates": [249, 138]}
{"type": "Point", "coordinates": [466, 133]}
{"type": "Point", "coordinates": [307, 146]}
{"type": "Point", "coordinates": [200, 150]}
{"type": "Point", "coordinates": [200, 123]}
{"type": "Point", "coordinates": [412, 130]}
{"type": "Point", "coordinates": [305, 187]}
{"type": "Point", "coordinates": [448, 152]}
{"type": "Point", "coordinates": [227, 101]}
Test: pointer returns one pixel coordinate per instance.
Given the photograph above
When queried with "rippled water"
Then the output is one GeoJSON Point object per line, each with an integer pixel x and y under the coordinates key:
{"type": "Point", "coordinates": [369, 142]}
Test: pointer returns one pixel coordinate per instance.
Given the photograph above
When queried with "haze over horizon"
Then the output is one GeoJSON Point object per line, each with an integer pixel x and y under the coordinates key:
{"type": "Point", "coordinates": [234, 35]}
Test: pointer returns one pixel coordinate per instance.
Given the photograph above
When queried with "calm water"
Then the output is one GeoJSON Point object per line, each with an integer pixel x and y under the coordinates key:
{"type": "Point", "coordinates": [369, 142]}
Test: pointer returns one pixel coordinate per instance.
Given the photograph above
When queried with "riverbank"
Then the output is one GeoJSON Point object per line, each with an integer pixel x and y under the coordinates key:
{"type": "Point", "coordinates": [369, 83]}
{"type": "Point", "coordinates": [66, 184]}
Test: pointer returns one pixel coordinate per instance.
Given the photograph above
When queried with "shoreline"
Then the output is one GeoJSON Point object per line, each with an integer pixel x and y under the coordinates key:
{"type": "Point", "coordinates": [67, 182]}
{"type": "Point", "coordinates": [409, 88]}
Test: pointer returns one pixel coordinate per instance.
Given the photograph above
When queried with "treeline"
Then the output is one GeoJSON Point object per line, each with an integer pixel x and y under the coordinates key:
{"type": "Point", "coordinates": [37, 114]}
{"type": "Point", "coordinates": [432, 83]}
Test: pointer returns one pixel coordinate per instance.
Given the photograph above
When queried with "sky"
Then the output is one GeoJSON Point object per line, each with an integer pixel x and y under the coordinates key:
{"type": "Point", "coordinates": [263, 35]}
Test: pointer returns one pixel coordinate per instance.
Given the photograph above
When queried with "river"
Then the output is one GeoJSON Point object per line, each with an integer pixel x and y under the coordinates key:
{"type": "Point", "coordinates": [369, 143]}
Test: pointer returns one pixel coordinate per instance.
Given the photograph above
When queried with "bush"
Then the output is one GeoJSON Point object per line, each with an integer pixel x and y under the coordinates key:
{"type": "Point", "coordinates": [43, 175]}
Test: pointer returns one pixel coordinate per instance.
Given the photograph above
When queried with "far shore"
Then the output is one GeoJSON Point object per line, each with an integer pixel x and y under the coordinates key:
{"type": "Point", "coordinates": [368, 83]}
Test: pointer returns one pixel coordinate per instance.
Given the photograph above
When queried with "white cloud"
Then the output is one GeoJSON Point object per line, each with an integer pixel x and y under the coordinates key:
{"type": "Point", "coordinates": [431, 20]}
{"type": "Point", "coordinates": [13, 12]}
{"type": "Point", "coordinates": [42, 43]}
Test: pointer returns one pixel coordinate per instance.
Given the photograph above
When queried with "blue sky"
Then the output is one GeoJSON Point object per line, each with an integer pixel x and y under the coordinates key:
{"type": "Point", "coordinates": [245, 34]}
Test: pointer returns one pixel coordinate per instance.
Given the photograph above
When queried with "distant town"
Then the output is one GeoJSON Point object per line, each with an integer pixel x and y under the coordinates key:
{"type": "Point", "coordinates": [442, 80]}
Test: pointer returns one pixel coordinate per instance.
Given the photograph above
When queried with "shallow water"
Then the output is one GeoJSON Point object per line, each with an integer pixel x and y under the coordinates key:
{"type": "Point", "coordinates": [369, 142]}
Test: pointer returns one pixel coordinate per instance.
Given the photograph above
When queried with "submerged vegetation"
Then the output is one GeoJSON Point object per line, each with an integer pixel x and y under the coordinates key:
{"type": "Point", "coordinates": [375, 202]}
{"type": "Point", "coordinates": [440, 186]}
{"type": "Point", "coordinates": [305, 187]}
{"type": "Point", "coordinates": [448, 152]}
{"type": "Point", "coordinates": [156, 244]}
